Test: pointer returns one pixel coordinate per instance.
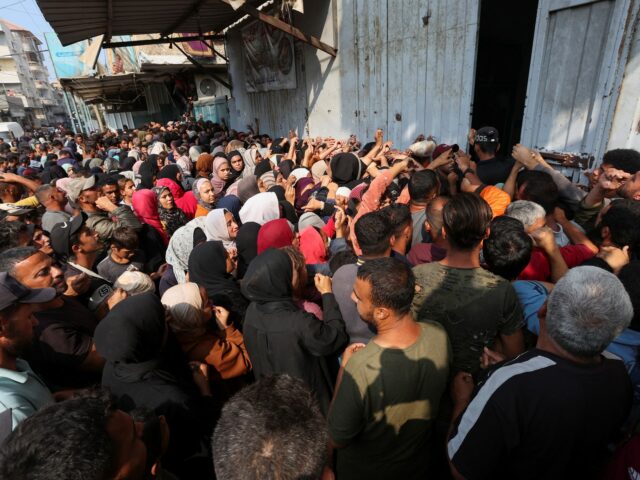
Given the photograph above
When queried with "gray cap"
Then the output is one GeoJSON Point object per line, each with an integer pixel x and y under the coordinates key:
{"type": "Point", "coordinates": [77, 185]}
{"type": "Point", "coordinates": [12, 292]}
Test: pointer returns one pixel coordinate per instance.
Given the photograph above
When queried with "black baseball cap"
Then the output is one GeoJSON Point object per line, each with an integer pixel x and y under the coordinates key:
{"type": "Point", "coordinates": [61, 234]}
{"type": "Point", "coordinates": [487, 135]}
{"type": "Point", "coordinates": [12, 292]}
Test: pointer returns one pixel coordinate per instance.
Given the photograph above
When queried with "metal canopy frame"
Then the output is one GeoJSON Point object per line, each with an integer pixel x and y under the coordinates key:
{"type": "Point", "coordinates": [75, 20]}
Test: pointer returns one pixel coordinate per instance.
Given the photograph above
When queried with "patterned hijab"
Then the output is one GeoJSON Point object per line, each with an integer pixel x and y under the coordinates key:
{"type": "Point", "coordinates": [173, 218]}
{"type": "Point", "coordinates": [180, 247]}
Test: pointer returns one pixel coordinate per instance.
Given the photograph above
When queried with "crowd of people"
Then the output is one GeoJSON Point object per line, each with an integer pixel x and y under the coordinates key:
{"type": "Point", "coordinates": [186, 301]}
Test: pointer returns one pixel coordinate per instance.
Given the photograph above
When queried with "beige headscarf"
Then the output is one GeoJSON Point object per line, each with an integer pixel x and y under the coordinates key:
{"type": "Point", "coordinates": [185, 307]}
{"type": "Point", "coordinates": [135, 283]}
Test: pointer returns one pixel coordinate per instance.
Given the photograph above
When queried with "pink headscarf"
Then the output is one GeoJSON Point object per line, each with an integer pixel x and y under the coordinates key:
{"type": "Point", "coordinates": [145, 206]}
{"type": "Point", "coordinates": [216, 182]}
{"type": "Point", "coordinates": [312, 246]}
{"type": "Point", "coordinates": [186, 202]}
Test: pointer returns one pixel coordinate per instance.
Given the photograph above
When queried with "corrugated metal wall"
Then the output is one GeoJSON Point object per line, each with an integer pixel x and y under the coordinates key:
{"type": "Point", "coordinates": [625, 132]}
{"type": "Point", "coordinates": [395, 72]}
{"type": "Point", "coordinates": [278, 111]}
{"type": "Point", "coordinates": [580, 50]}
{"type": "Point", "coordinates": [392, 71]}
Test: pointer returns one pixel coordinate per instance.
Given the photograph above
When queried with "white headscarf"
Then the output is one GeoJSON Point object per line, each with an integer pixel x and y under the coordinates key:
{"type": "Point", "coordinates": [194, 153]}
{"type": "Point", "coordinates": [157, 148]}
{"type": "Point", "coordinates": [299, 173]}
{"type": "Point", "coordinates": [215, 227]}
{"type": "Point", "coordinates": [260, 208]}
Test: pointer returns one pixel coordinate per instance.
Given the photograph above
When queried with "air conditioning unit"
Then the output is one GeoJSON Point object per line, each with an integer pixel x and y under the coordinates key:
{"type": "Point", "coordinates": [206, 87]}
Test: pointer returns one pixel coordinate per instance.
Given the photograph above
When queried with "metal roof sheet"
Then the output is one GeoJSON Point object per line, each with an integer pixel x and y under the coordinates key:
{"type": "Point", "coordinates": [75, 20]}
{"type": "Point", "coordinates": [109, 86]}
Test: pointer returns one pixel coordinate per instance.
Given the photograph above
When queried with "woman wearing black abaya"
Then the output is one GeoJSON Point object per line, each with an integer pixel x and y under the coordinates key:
{"type": "Point", "coordinates": [282, 338]}
{"type": "Point", "coordinates": [247, 245]}
{"type": "Point", "coordinates": [210, 266]}
{"type": "Point", "coordinates": [148, 172]}
{"type": "Point", "coordinates": [145, 368]}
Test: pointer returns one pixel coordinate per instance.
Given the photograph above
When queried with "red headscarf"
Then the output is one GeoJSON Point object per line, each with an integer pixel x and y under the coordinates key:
{"type": "Point", "coordinates": [275, 234]}
{"type": "Point", "coordinates": [186, 202]}
{"type": "Point", "coordinates": [145, 206]}
{"type": "Point", "coordinates": [312, 246]}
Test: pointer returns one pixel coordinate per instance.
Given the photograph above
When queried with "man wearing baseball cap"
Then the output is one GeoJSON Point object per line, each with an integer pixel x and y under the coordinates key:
{"type": "Point", "coordinates": [62, 352]}
{"type": "Point", "coordinates": [491, 168]}
{"type": "Point", "coordinates": [103, 216]}
{"type": "Point", "coordinates": [21, 391]}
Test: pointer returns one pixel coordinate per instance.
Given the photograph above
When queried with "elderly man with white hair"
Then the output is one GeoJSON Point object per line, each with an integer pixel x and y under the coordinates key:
{"type": "Point", "coordinates": [550, 412]}
{"type": "Point", "coordinates": [549, 262]}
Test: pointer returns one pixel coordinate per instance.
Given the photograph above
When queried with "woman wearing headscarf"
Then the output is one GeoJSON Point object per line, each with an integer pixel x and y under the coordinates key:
{"type": "Point", "coordinates": [231, 203]}
{"type": "Point", "coordinates": [145, 206]}
{"type": "Point", "coordinates": [260, 208]}
{"type": "Point", "coordinates": [145, 368]}
{"type": "Point", "coordinates": [210, 266]}
{"type": "Point", "coordinates": [148, 172]}
{"type": "Point", "coordinates": [183, 160]}
{"type": "Point", "coordinates": [221, 226]}
{"type": "Point", "coordinates": [247, 246]}
{"type": "Point", "coordinates": [180, 247]}
{"type": "Point", "coordinates": [237, 166]}
{"type": "Point", "coordinates": [172, 217]}
{"type": "Point", "coordinates": [346, 167]}
{"type": "Point", "coordinates": [251, 157]}
{"type": "Point", "coordinates": [194, 153]}
{"type": "Point", "coordinates": [304, 188]}
{"type": "Point", "coordinates": [247, 188]}
{"type": "Point", "coordinates": [127, 164]}
{"type": "Point", "coordinates": [171, 177]}
{"type": "Point", "coordinates": [280, 337]}
{"type": "Point", "coordinates": [190, 320]}
{"type": "Point", "coordinates": [204, 165]}
{"type": "Point", "coordinates": [275, 234]}
{"type": "Point", "coordinates": [303, 293]}
{"type": "Point", "coordinates": [221, 173]}
{"type": "Point", "coordinates": [286, 167]}
{"type": "Point", "coordinates": [205, 195]}
{"type": "Point", "coordinates": [313, 245]}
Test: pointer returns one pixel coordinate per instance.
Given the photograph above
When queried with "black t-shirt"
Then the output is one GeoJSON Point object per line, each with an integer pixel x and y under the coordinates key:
{"type": "Point", "coordinates": [495, 170]}
{"type": "Point", "coordinates": [96, 283]}
{"type": "Point", "coordinates": [61, 342]}
{"type": "Point", "coordinates": [541, 416]}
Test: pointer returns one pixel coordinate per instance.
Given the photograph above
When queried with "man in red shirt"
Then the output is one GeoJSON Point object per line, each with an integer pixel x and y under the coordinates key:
{"type": "Point", "coordinates": [549, 262]}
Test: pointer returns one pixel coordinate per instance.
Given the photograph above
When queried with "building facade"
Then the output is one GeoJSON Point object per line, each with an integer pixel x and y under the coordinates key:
{"type": "Point", "coordinates": [27, 95]}
{"type": "Point", "coordinates": [558, 75]}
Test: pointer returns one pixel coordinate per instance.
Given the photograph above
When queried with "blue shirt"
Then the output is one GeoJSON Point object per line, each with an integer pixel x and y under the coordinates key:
{"type": "Point", "coordinates": [22, 391]}
{"type": "Point", "coordinates": [532, 296]}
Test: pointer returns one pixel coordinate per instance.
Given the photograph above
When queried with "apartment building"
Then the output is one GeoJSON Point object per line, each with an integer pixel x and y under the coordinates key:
{"type": "Point", "coordinates": [26, 96]}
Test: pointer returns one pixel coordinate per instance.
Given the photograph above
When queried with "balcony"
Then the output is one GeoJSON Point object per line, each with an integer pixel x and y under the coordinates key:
{"type": "Point", "coordinates": [36, 67]}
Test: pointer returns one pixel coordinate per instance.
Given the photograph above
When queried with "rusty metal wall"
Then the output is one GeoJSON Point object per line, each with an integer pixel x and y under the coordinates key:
{"type": "Point", "coordinates": [406, 66]}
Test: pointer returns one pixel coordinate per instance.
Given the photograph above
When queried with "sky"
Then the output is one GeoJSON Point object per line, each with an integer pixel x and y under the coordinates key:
{"type": "Point", "coordinates": [26, 13]}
